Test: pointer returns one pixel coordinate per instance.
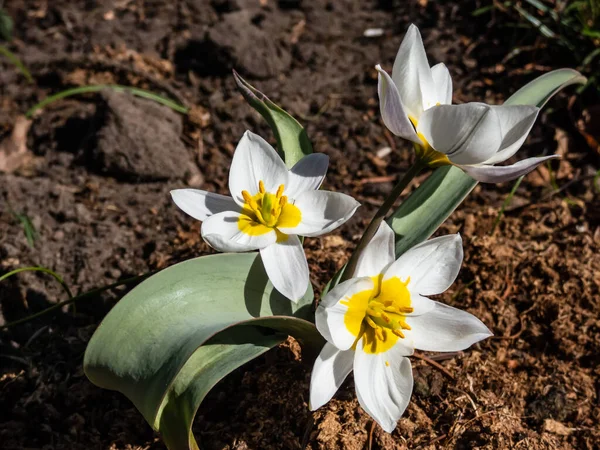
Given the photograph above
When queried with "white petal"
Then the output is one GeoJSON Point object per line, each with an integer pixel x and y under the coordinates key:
{"type": "Point", "coordinates": [468, 134]}
{"type": "Point", "coordinates": [307, 174]}
{"type": "Point", "coordinates": [322, 211]}
{"type": "Point", "coordinates": [432, 265]}
{"type": "Point", "coordinates": [412, 75]}
{"type": "Point", "coordinates": [378, 254]}
{"type": "Point", "coordinates": [286, 267]}
{"type": "Point", "coordinates": [221, 232]}
{"type": "Point", "coordinates": [202, 204]}
{"type": "Point", "coordinates": [255, 160]}
{"type": "Point", "coordinates": [331, 368]}
{"type": "Point", "coordinates": [443, 84]}
{"type": "Point", "coordinates": [498, 174]}
{"type": "Point", "coordinates": [392, 111]}
{"type": "Point", "coordinates": [384, 384]}
{"type": "Point", "coordinates": [515, 123]}
{"type": "Point", "coordinates": [446, 329]}
{"type": "Point", "coordinates": [420, 304]}
{"type": "Point", "coordinates": [330, 317]}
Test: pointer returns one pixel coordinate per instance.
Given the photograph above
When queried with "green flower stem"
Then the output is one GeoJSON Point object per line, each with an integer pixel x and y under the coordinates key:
{"type": "Point", "coordinates": [383, 210]}
{"type": "Point", "coordinates": [71, 299]}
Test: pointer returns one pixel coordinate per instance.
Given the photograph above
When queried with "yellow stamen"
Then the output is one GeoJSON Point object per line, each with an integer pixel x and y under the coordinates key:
{"type": "Point", "coordinates": [374, 313]}
{"type": "Point", "coordinates": [398, 333]}
{"type": "Point", "coordinates": [247, 197]}
{"type": "Point", "coordinates": [268, 210]}
{"type": "Point", "coordinates": [279, 191]}
{"type": "Point", "coordinates": [371, 323]}
{"type": "Point", "coordinates": [378, 315]}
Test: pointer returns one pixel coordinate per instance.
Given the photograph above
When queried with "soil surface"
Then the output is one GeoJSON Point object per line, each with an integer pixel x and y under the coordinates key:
{"type": "Point", "coordinates": [92, 174]}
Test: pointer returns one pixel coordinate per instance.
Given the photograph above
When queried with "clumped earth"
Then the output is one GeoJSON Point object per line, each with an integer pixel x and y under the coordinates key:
{"type": "Point", "coordinates": [94, 173]}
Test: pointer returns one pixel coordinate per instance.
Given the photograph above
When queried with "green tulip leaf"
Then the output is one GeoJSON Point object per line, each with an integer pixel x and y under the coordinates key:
{"type": "Point", "coordinates": [173, 337]}
{"type": "Point", "coordinates": [543, 88]}
{"type": "Point", "coordinates": [433, 201]}
{"type": "Point", "coordinates": [292, 141]}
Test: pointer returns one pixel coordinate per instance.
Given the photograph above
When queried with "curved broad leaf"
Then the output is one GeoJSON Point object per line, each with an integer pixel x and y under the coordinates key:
{"type": "Point", "coordinates": [169, 340]}
{"type": "Point", "coordinates": [543, 88]}
{"type": "Point", "coordinates": [292, 141]}
{"type": "Point", "coordinates": [429, 206]}
{"type": "Point", "coordinates": [434, 200]}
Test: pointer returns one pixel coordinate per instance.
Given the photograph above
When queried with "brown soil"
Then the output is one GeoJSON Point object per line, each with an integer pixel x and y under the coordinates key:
{"type": "Point", "coordinates": [102, 213]}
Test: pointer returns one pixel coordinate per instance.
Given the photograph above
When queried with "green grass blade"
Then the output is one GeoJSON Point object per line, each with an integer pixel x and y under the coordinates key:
{"type": "Point", "coordinates": [115, 87]}
{"type": "Point", "coordinates": [506, 202]}
{"type": "Point", "coordinates": [6, 25]}
{"type": "Point", "coordinates": [14, 59]}
{"type": "Point", "coordinates": [71, 299]}
{"type": "Point", "coordinates": [536, 23]}
{"type": "Point", "coordinates": [56, 276]}
{"type": "Point", "coordinates": [28, 228]}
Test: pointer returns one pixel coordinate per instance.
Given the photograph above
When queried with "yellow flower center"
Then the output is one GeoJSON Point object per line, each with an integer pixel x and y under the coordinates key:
{"type": "Point", "coordinates": [378, 315]}
{"type": "Point", "coordinates": [426, 152]}
{"type": "Point", "coordinates": [265, 211]}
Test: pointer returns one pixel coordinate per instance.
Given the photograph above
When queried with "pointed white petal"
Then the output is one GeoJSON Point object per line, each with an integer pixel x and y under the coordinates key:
{"type": "Point", "coordinates": [468, 134]}
{"type": "Point", "coordinates": [498, 174]}
{"type": "Point", "coordinates": [307, 174]}
{"type": "Point", "coordinates": [322, 211]}
{"type": "Point", "coordinates": [286, 267]}
{"type": "Point", "coordinates": [332, 318]}
{"type": "Point", "coordinates": [412, 75]}
{"type": "Point", "coordinates": [443, 84]}
{"type": "Point", "coordinates": [446, 329]}
{"type": "Point", "coordinates": [378, 254]}
{"type": "Point", "coordinates": [384, 384]}
{"type": "Point", "coordinates": [255, 160]}
{"type": "Point", "coordinates": [432, 265]}
{"type": "Point", "coordinates": [202, 204]}
{"type": "Point", "coordinates": [331, 368]}
{"type": "Point", "coordinates": [222, 233]}
{"type": "Point", "coordinates": [392, 111]}
{"type": "Point", "coordinates": [515, 123]}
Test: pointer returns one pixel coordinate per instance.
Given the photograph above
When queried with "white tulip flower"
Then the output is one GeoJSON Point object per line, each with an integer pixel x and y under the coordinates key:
{"type": "Point", "coordinates": [373, 321]}
{"type": "Point", "coordinates": [416, 104]}
{"type": "Point", "coordinates": [270, 208]}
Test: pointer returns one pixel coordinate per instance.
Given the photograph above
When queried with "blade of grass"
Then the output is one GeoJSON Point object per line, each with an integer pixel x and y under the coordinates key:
{"type": "Point", "coordinates": [507, 201]}
{"type": "Point", "coordinates": [14, 59]}
{"type": "Point", "coordinates": [6, 25]}
{"type": "Point", "coordinates": [71, 299]}
{"type": "Point", "coordinates": [28, 228]}
{"type": "Point", "coordinates": [536, 22]}
{"type": "Point", "coordinates": [539, 5]}
{"type": "Point", "coordinates": [482, 10]}
{"type": "Point", "coordinates": [99, 87]}
{"type": "Point", "coordinates": [56, 276]}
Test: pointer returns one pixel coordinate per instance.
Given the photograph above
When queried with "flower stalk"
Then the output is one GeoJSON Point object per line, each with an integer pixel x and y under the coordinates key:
{"type": "Point", "coordinates": [379, 216]}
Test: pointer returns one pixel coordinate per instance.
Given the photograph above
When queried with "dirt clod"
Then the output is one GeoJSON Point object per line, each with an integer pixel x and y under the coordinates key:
{"type": "Point", "coordinates": [140, 140]}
